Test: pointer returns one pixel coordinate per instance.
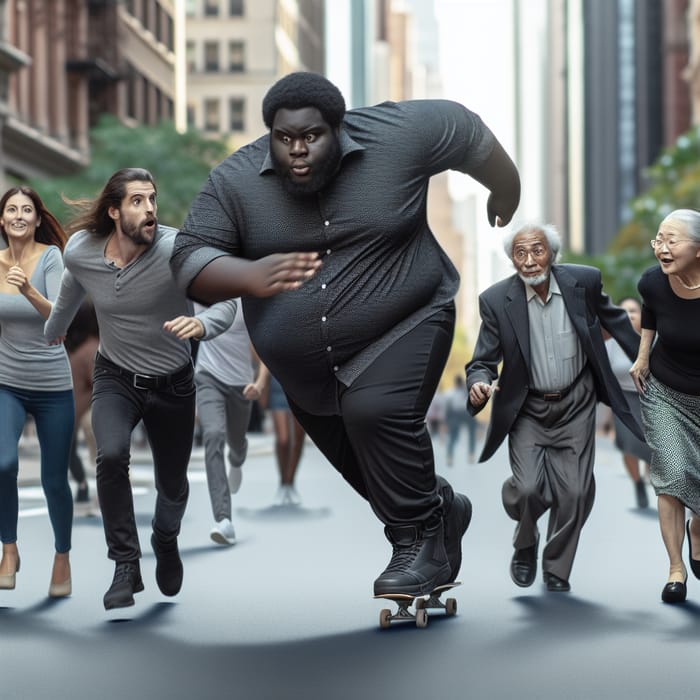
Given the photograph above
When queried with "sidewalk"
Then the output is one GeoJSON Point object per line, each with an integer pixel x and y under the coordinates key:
{"type": "Point", "coordinates": [29, 469]}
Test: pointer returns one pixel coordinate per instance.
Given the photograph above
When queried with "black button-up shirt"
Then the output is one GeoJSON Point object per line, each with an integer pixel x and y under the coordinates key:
{"type": "Point", "coordinates": [383, 270]}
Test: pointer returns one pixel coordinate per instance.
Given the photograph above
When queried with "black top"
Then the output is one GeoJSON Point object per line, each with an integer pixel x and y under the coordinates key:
{"type": "Point", "coordinates": [383, 271]}
{"type": "Point", "coordinates": [675, 356]}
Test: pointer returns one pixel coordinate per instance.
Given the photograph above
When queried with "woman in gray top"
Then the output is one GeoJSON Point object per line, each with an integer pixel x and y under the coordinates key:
{"type": "Point", "coordinates": [35, 379]}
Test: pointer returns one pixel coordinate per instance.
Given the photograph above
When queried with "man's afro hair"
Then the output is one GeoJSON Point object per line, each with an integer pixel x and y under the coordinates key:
{"type": "Point", "coordinates": [302, 89]}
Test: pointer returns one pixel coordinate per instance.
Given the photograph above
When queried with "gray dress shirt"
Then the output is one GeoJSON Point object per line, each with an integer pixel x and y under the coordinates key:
{"type": "Point", "coordinates": [555, 350]}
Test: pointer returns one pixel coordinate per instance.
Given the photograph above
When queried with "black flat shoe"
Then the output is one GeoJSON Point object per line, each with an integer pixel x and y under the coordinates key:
{"type": "Point", "coordinates": [674, 592]}
{"type": "Point", "coordinates": [555, 584]}
{"type": "Point", "coordinates": [694, 563]}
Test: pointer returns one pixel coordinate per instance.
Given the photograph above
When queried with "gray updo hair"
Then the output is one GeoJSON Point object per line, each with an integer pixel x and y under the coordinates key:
{"type": "Point", "coordinates": [690, 218]}
{"type": "Point", "coordinates": [550, 233]}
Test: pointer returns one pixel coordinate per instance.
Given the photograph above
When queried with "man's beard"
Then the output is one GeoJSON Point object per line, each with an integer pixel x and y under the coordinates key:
{"type": "Point", "coordinates": [321, 174]}
{"type": "Point", "coordinates": [534, 281]}
{"type": "Point", "coordinates": [133, 232]}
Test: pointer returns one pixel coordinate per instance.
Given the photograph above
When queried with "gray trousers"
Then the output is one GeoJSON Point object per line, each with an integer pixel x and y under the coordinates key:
{"type": "Point", "coordinates": [223, 416]}
{"type": "Point", "coordinates": [552, 450]}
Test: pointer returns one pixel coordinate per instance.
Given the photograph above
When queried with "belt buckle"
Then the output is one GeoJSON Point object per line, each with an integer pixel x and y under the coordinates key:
{"type": "Point", "coordinates": [551, 395]}
{"type": "Point", "coordinates": [138, 378]}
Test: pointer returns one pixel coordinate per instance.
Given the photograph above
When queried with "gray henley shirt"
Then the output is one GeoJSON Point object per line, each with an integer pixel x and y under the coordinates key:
{"type": "Point", "coordinates": [131, 303]}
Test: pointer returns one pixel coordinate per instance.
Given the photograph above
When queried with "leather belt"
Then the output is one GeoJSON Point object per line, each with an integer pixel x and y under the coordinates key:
{"type": "Point", "coordinates": [149, 381]}
{"type": "Point", "coordinates": [558, 395]}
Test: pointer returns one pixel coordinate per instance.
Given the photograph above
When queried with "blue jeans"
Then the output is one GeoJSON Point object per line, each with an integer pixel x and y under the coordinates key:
{"type": "Point", "coordinates": [168, 417]}
{"type": "Point", "coordinates": [53, 415]}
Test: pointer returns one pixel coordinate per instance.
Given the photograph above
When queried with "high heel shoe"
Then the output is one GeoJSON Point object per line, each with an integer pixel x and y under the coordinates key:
{"type": "Point", "coordinates": [8, 581]}
{"type": "Point", "coordinates": [675, 591]}
{"type": "Point", "coordinates": [60, 590]}
{"type": "Point", "coordinates": [694, 563]}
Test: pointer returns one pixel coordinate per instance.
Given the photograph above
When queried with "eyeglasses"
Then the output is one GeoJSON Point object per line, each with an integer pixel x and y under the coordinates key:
{"type": "Point", "coordinates": [670, 243]}
{"type": "Point", "coordinates": [521, 254]}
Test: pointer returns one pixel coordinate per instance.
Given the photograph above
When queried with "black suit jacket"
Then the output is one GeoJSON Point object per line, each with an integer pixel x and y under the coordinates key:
{"type": "Point", "coordinates": [504, 336]}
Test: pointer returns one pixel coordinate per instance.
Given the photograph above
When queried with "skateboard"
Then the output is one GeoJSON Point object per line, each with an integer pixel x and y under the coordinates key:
{"type": "Point", "coordinates": [422, 603]}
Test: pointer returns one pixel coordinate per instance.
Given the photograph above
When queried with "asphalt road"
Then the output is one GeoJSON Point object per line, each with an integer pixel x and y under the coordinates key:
{"type": "Point", "coordinates": [288, 611]}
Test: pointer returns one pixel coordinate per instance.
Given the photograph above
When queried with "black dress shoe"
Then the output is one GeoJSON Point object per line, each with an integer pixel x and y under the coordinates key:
{"type": "Point", "coordinates": [694, 563]}
{"type": "Point", "coordinates": [523, 565]}
{"type": "Point", "coordinates": [674, 592]}
{"type": "Point", "coordinates": [555, 584]}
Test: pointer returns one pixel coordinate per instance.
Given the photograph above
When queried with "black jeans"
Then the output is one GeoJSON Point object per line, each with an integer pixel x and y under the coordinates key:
{"type": "Point", "coordinates": [168, 417]}
{"type": "Point", "coordinates": [380, 442]}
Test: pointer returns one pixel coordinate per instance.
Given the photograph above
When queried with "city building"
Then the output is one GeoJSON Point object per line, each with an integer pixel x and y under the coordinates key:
{"type": "Point", "coordinates": [63, 63]}
{"type": "Point", "coordinates": [236, 49]}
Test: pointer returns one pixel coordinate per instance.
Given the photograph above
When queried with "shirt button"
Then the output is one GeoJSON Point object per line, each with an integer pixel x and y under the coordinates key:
{"type": "Point", "coordinates": [326, 223]}
{"type": "Point", "coordinates": [328, 252]}
{"type": "Point", "coordinates": [329, 348]}
{"type": "Point", "coordinates": [323, 286]}
{"type": "Point", "coordinates": [335, 368]}
{"type": "Point", "coordinates": [323, 318]}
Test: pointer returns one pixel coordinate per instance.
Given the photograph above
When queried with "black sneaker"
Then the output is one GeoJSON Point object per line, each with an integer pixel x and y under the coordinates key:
{"type": "Point", "coordinates": [457, 520]}
{"type": "Point", "coordinates": [457, 510]}
{"type": "Point", "coordinates": [127, 581]}
{"type": "Point", "coordinates": [168, 565]}
{"type": "Point", "coordinates": [419, 563]}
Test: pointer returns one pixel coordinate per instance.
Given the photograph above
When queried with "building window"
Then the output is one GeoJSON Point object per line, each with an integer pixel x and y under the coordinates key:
{"type": "Point", "coordinates": [211, 8]}
{"type": "Point", "coordinates": [237, 114]}
{"type": "Point", "coordinates": [235, 8]}
{"type": "Point", "coordinates": [190, 8]}
{"type": "Point", "coordinates": [191, 57]}
{"type": "Point", "coordinates": [212, 121]}
{"type": "Point", "coordinates": [236, 56]}
{"type": "Point", "coordinates": [211, 56]}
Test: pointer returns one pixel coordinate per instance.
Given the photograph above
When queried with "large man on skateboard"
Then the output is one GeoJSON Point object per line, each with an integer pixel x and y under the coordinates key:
{"type": "Point", "coordinates": [361, 348]}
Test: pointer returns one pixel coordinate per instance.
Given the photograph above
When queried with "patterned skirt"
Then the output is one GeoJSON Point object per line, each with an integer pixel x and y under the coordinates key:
{"type": "Point", "coordinates": [672, 428]}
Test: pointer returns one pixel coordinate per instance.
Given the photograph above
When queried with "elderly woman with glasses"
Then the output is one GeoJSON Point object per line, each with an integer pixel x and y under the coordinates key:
{"type": "Point", "coordinates": [667, 376]}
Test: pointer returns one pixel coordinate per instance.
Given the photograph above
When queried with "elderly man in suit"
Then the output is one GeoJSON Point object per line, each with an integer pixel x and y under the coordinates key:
{"type": "Point", "coordinates": [544, 324]}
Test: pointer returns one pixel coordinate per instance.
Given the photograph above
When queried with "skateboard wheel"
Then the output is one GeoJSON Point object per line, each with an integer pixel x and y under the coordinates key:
{"type": "Point", "coordinates": [421, 618]}
{"type": "Point", "coordinates": [451, 606]}
{"type": "Point", "coordinates": [384, 618]}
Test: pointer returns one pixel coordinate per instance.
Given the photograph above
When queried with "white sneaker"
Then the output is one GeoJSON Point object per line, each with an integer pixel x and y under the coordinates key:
{"type": "Point", "coordinates": [293, 497]}
{"type": "Point", "coordinates": [287, 496]}
{"type": "Point", "coordinates": [281, 496]}
{"type": "Point", "coordinates": [235, 476]}
{"type": "Point", "coordinates": [223, 532]}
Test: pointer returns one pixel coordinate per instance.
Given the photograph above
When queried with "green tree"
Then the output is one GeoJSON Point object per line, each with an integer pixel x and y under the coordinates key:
{"type": "Point", "coordinates": [180, 164]}
{"type": "Point", "coordinates": [673, 183]}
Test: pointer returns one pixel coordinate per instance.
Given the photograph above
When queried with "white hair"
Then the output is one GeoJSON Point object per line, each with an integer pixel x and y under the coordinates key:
{"type": "Point", "coordinates": [690, 218]}
{"type": "Point", "coordinates": [550, 233]}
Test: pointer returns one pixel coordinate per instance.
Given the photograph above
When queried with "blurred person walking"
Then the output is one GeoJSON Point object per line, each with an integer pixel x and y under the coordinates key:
{"type": "Point", "coordinates": [634, 451]}
{"type": "Point", "coordinates": [289, 444]}
{"type": "Point", "coordinates": [456, 418]}
{"type": "Point", "coordinates": [226, 388]}
{"type": "Point", "coordinates": [81, 343]}
{"type": "Point", "coordinates": [35, 379]}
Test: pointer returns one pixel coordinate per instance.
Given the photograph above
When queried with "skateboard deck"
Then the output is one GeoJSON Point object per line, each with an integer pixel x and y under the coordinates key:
{"type": "Point", "coordinates": [421, 603]}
